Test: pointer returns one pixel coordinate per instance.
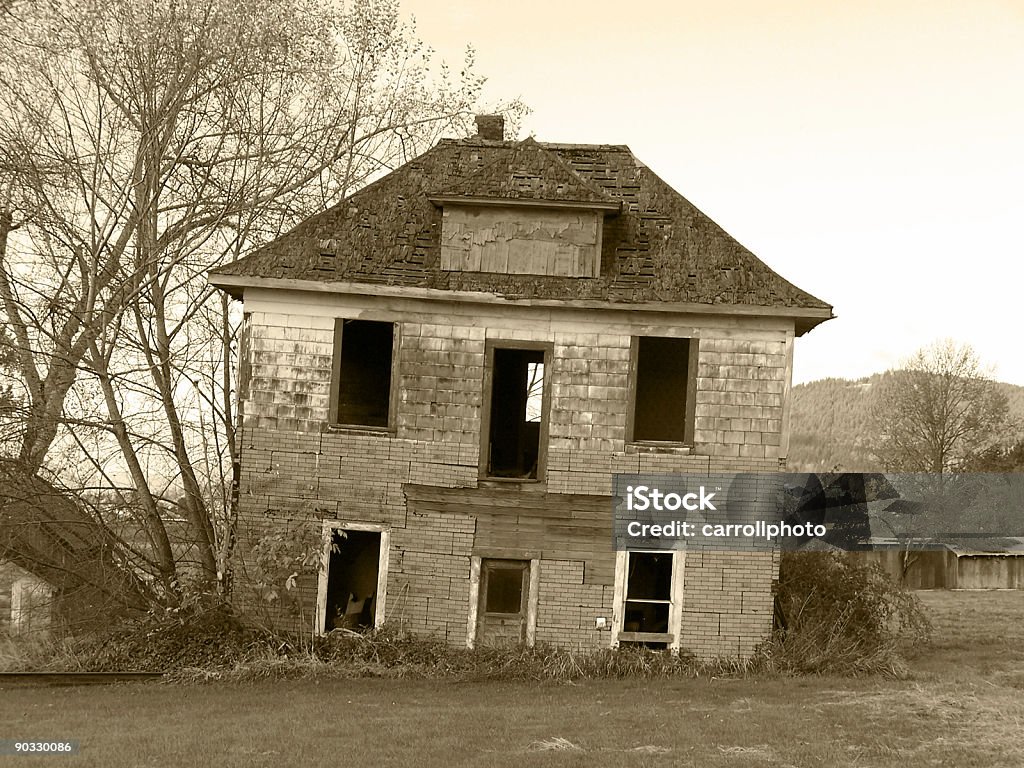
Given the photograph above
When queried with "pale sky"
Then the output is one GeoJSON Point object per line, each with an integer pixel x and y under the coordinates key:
{"type": "Point", "coordinates": [870, 152]}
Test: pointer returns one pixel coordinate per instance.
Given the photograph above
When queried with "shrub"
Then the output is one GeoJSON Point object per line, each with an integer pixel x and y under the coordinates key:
{"type": "Point", "coordinates": [197, 636]}
{"type": "Point", "coordinates": [837, 614]}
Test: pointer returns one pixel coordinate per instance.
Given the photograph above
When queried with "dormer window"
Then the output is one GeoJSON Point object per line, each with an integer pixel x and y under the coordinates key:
{"type": "Point", "coordinates": [525, 213]}
{"type": "Point", "coordinates": [521, 240]}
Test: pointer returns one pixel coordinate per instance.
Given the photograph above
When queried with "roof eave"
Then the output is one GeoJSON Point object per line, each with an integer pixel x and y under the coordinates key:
{"type": "Point", "coordinates": [805, 318]}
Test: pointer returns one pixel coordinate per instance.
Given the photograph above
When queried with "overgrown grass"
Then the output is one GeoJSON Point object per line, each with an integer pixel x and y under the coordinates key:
{"type": "Point", "coordinates": [388, 654]}
{"type": "Point", "coordinates": [840, 618]}
{"type": "Point", "coordinates": [216, 646]}
{"type": "Point", "coordinates": [961, 705]}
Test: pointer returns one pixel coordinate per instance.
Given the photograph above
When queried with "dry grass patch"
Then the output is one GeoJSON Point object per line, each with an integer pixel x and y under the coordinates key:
{"type": "Point", "coordinates": [956, 709]}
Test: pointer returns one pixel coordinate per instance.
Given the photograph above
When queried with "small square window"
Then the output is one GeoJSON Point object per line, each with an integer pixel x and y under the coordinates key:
{"type": "Point", "coordinates": [503, 588]}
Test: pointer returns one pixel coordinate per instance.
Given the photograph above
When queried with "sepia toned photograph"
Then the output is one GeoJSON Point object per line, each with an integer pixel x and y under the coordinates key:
{"type": "Point", "coordinates": [405, 383]}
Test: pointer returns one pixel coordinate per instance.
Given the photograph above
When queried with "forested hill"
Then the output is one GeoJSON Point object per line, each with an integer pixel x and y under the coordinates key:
{"type": "Point", "coordinates": [830, 423]}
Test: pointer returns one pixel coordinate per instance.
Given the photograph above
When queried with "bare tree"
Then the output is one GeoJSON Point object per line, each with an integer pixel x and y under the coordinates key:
{"type": "Point", "coordinates": [143, 143]}
{"type": "Point", "coordinates": [939, 408]}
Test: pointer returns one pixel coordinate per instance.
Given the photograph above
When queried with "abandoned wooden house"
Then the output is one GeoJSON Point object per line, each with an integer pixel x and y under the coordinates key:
{"type": "Point", "coordinates": [446, 369]}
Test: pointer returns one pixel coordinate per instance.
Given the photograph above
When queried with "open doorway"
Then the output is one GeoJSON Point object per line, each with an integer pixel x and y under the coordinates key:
{"type": "Point", "coordinates": [354, 579]}
{"type": "Point", "coordinates": [516, 413]}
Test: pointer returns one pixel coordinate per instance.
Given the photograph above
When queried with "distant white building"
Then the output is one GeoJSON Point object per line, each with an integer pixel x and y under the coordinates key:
{"type": "Point", "coordinates": [26, 602]}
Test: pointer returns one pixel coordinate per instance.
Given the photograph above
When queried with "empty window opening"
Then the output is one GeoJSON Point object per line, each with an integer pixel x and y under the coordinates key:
{"type": "Point", "coordinates": [517, 404]}
{"type": "Point", "coordinates": [648, 592]}
{"type": "Point", "coordinates": [534, 391]}
{"type": "Point", "coordinates": [352, 571]}
{"type": "Point", "coordinates": [504, 592]}
{"type": "Point", "coordinates": [663, 378]}
{"type": "Point", "coordinates": [363, 375]}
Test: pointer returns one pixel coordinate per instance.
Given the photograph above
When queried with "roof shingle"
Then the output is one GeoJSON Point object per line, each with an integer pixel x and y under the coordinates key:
{"type": "Point", "coordinates": [658, 248]}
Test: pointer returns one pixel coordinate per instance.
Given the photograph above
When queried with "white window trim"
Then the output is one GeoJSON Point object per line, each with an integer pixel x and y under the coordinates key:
{"type": "Point", "coordinates": [475, 566]}
{"type": "Point", "coordinates": [327, 533]}
{"type": "Point", "coordinates": [675, 611]}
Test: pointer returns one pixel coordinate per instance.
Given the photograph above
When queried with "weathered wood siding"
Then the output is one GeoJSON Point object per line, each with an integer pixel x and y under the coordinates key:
{"type": "Point", "coordinates": [990, 571]}
{"type": "Point", "coordinates": [944, 569]}
{"type": "Point", "coordinates": [292, 461]}
{"type": "Point", "coordinates": [521, 240]}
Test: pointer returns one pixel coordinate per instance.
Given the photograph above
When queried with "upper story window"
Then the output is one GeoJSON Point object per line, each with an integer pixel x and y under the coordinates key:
{"type": "Point", "coordinates": [361, 391]}
{"type": "Point", "coordinates": [663, 389]}
{"type": "Point", "coordinates": [516, 410]}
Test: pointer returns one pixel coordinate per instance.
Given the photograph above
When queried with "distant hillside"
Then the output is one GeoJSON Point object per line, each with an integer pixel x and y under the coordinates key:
{"type": "Point", "coordinates": [830, 423]}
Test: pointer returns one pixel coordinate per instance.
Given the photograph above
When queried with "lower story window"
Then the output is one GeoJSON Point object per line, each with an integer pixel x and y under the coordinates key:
{"type": "Point", "coordinates": [648, 598]}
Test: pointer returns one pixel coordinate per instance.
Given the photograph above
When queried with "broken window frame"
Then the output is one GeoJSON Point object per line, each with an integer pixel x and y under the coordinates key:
{"type": "Point", "coordinates": [675, 613]}
{"type": "Point", "coordinates": [243, 384]}
{"type": "Point", "coordinates": [531, 560]}
{"type": "Point", "coordinates": [335, 395]}
{"type": "Point", "coordinates": [689, 405]}
{"type": "Point", "coordinates": [328, 529]}
{"type": "Point", "coordinates": [485, 421]}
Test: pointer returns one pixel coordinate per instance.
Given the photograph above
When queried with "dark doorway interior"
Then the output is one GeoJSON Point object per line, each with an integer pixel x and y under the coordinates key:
{"type": "Point", "coordinates": [517, 393]}
{"type": "Point", "coordinates": [352, 580]}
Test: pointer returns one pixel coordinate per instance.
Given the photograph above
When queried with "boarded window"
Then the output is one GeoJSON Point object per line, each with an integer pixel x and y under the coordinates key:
{"type": "Point", "coordinates": [516, 413]}
{"type": "Point", "coordinates": [361, 393]}
{"type": "Point", "coordinates": [521, 241]}
{"type": "Point", "coordinates": [665, 386]}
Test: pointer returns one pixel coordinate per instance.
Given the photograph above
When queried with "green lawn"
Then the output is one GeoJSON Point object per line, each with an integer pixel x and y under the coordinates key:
{"type": "Point", "coordinates": [964, 706]}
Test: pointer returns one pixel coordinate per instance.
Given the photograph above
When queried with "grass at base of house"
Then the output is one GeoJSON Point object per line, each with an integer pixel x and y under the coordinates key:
{"type": "Point", "coordinates": [963, 706]}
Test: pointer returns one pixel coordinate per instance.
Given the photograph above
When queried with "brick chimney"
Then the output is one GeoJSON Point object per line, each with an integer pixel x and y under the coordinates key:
{"type": "Point", "coordinates": [490, 127]}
